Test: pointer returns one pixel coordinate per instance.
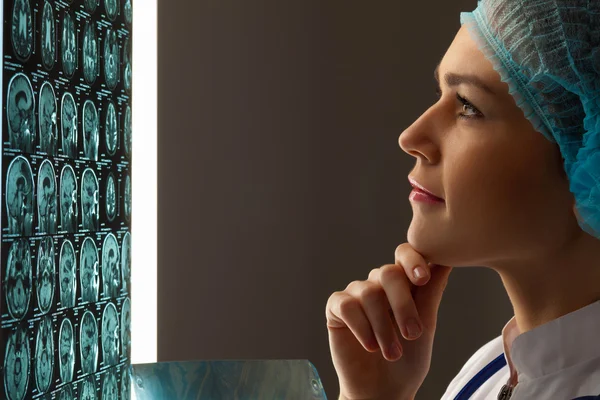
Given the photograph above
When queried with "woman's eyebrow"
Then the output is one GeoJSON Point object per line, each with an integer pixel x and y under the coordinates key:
{"type": "Point", "coordinates": [453, 79]}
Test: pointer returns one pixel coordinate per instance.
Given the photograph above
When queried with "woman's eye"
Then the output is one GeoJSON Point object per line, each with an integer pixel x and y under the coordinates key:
{"type": "Point", "coordinates": [469, 110]}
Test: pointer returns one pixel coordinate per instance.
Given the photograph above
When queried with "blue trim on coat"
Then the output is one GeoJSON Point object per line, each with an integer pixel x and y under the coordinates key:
{"type": "Point", "coordinates": [486, 372]}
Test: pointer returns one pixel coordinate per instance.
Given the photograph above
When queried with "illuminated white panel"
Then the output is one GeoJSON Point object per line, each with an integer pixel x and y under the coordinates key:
{"type": "Point", "coordinates": [144, 176]}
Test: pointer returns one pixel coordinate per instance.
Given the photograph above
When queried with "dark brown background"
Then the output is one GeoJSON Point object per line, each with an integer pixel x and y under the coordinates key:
{"type": "Point", "coordinates": [281, 179]}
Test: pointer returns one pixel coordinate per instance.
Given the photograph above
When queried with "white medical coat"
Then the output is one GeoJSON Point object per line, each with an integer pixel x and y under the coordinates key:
{"type": "Point", "coordinates": [559, 360]}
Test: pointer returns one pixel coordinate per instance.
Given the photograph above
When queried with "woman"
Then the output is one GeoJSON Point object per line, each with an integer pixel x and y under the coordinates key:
{"type": "Point", "coordinates": [511, 154]}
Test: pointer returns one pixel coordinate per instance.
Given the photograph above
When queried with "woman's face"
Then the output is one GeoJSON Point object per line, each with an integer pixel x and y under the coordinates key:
{"type": "Point", "coordinates": [506, 194]}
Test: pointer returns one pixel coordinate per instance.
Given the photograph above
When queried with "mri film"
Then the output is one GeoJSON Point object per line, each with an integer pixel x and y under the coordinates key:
{"type": "Point", "coordinates": [89, 343]}
{"type": "Point", "coordinates": [46, 274]}
{"type": "Point", "coordinates": [65, 278]}
{"type": "Point", "coordinates": [110, 335]}
{"type": "Point", "coordinates": [111, 57]}
{"type": "Point", "coordinates": [112, 8]}
{"type": "Point", "coordinates": [127, 63]}
{"type": "Point", "coordinates": [44, 354]}
{"type": "Point", "coordinates": [111, 275]}
{"type": "Point", "coordinates": [66, 351]}
{"type": "Point", "coordinates": [68, 45]}
{"type": "Point", "coordinates": [90, 206]}
{"type": "Point", "coordinates": [125, 385]}
{"type": "Point", "coordinates": [111, 197]}
{"type": "Point", "coordinates": [19, 197]}
{"type": "Point", "coordinates": [22, 29]}
{"type": "Point", "coordinates": [127, 131]}
{"type": "Point", "coordinates": [128, 12]}
{"type": "Point", "coordinates": [48, 115]}
{"type": "Point", "coordinates": [68, 118]}
{"type": "Point", "coordinates": [20, 110]}
{"type": "Point", "coordinates": [90, 130]}
{"type": "Point", "coordinates": [110, 127]}
{"type": "Point", "coordinates": [66, 393]}
{"type": "Point", "coordinates": [110, 390]}
{"type": "Point", "coordinates": [126, 262]}
{"type": "Point", "coordinates": [68, 199]}
{"type": "Point", "coordinates": [89, 271]}
{"type": "Point", "coordinates": [127, 198]}
{"type": "Point", "coordinates": [90, 53]}
{"type": "Point", "coordinates": [18, 279]}
{"type": "Point", "coordinates": [126, 327]}
{"type": "Point", "coordinates": [87, 389]}
{"type": "Point", "coordinates": [17, 364]}
{"type": "Point", "coordinates": [48, 36]}
{"type": "Point", "coordinates": [67, 275]}
{"type": "Point", "coordinates": [90, 5]}
{"type": "Point", "coordinates": [46, 198]}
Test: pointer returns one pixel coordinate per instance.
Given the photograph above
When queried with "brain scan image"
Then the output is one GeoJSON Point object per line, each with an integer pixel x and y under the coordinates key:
{"type": "Point", "coordinates": [126, 262]}
{"type": "Point", "coordinates": [126, 327]}
{"type": "Point", "coordinates": [46, 273]}
{"type": "Point", "coordinates": [87, 389]}
{"type": "Point", "coordinates": [127, 198]}
{"type": "Point", "coordinates": [110, 127]}
{"type": "Point", "coordinates": [111, 58]}
{"type": "Point", "coordinates": [46, 198]}
{"type": "Point", "coordinates": [89, 271]}
{"type": "Point", "coordinates": [17, 364]}
{"type": "Point", "coordinates": [90, 202]}
{"type": "Point", "coordinates": [67, 275]}
{"type": "Point", "coordinates": [22, 29]}
{"type": "Point", "coordinates": [66, 393]}
{"type": "Point", "coordinates": [90, 130]}
{"type": "Point", "coordinates": [44, 354]}
{"type": "Point", "coordinates": [110, 390]}
{"type": "Point", "coordinates": [90, 5]}
{"type": "Point", "coordinates": [48, 125]}
{"type": "Point", "coordinates": [68, 45]}
{"type": "Point", "coordinates": [111, 197]}
{"type": "Point", "coordinates": [90, 53]}
{"type": "Point", "coordinates": [127, 63]}
{"type": "Point", "coordinates": [68, 199]}
{"type": "Point", "coordinates": [18, 279]}
{"type": "Point", "coordinates": [66, 351]}
{"type": "Point", "coordinates": [125, 385]}
{"type": "Point", "coordinates": [128, 12]}
{"type": "Point", "coordinates": [111, 274]}
{"type": "Point", "coordinates": [110, 336]}
{"type": "Point", "coordinates": [19, 197]}
{"type": "Point", "coordinates": [89, 343]}
{"type": "Point", "coordinates": [20, 112]}
{"type": "Point", "coordinates": [48, 36]}
{"type": "Point", "coordinates": [127, 131]}
{"type": "Point", "coordinates": [68, 118]}
{"type": "Point", "coordinates": [112, 8]}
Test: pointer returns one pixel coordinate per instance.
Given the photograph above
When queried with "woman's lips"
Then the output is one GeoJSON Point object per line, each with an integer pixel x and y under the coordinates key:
{"type": "Point", "coordinates": [419, 195]}
{"type": "Point", "coordinates": [418, 187]}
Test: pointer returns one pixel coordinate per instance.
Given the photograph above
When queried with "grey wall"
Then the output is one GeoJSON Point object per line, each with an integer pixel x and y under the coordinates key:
{"type": "Point", "coordinates": [281, 179]}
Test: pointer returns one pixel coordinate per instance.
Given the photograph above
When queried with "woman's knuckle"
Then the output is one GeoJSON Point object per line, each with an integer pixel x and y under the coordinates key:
{"type": "Point", "coordinates": [390, 272]}
{"type": "Point", "coordinates": [346, 305]}
{"type": "Point", "coordinates": [371, 293]}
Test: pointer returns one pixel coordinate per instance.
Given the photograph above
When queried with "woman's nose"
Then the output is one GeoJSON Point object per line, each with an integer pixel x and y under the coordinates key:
{"type": "Point", "coordinates": [421, 138]}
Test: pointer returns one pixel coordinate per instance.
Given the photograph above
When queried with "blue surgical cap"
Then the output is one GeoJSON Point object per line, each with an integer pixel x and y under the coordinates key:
{"type": "Point", "coordinates": [548, 52]}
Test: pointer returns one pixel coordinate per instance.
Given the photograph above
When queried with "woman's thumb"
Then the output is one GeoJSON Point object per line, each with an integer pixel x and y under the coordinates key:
{"type": "Point", "coordinates": [427, 297]}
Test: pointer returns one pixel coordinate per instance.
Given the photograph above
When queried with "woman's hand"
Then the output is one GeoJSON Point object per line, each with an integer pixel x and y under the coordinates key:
{"type": "Point", "coordinates": [363, 323]}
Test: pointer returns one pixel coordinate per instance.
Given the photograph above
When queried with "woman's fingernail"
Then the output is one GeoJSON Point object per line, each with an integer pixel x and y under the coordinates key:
{"type": "Point", "coordinates": [419, 272]}
{"type": "Point", "coordinates": [413, 329]}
